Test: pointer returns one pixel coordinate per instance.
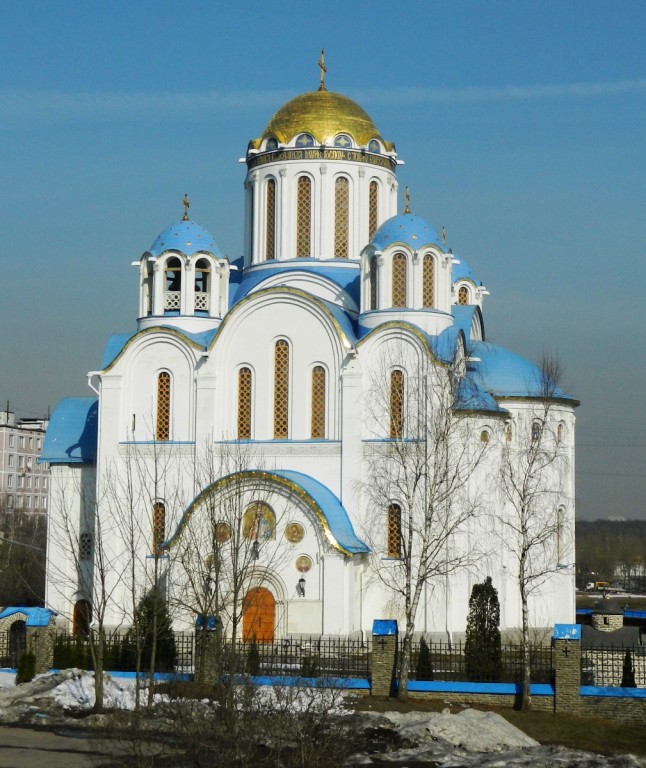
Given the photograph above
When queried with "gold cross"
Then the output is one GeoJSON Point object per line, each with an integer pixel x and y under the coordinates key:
{"type": "Point", "coordinates": [187, 204]}
{"type": "Point", "coordinates": [407, 199]}
{"type": "Point", "coordinates": [321, 63]}
{"type": "Point", "coordinates": [443, 235]}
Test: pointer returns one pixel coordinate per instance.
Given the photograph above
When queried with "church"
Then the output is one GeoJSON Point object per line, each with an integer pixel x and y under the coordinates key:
{"type": "Point", "coordinates": [308, 438]}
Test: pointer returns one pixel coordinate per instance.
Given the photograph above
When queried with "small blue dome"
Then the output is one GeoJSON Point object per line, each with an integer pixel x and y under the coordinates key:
{"type": "Point", "coordinates": [462, 271]}
{"type": "Point", "coordinates": [405, 228]}
{"type": "Point", "coordinates": [187, 237]}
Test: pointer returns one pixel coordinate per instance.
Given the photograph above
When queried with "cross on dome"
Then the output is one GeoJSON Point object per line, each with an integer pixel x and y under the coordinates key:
{"type": "Point", "coordinates": [321, 64]}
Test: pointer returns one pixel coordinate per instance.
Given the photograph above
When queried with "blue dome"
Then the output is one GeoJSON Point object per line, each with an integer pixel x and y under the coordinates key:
{"type": "Point", "coordinates": [405, 228]}
{"type": "Point", "coordinates": [462, 271]}
{"type": "Point", "coordinates": [187, 237]}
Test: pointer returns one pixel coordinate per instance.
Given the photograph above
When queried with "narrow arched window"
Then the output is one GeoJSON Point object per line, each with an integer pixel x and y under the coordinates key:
{"type": "Point", "coordinates": [560, 523]}
{"type": "Point", "coordinates": [341, 217]}
{"type": "Point", "coordinates": [244, 404]}
{"type": "Point", "coordinates": [463, 295]}
{"type": "Point", "coordinates": [270, 227]}
{"type": "Point", "coordinates": [396, 404]}
{"type": "Point", "coordinates": [85, 546]}
{"type": "Point", "coordinates": [373, 283]}
{"type": "Point", "coordinates": [281, 389]}
{"type": "Point", "coordinates": [394, 531]}
{"type": "Point", "coordinates": [399, 280]}
{"type": "Point", "coordinates": [162, 431]}
{"type": "Point", "coordinates": [202, 280]}
{"type": "Point", "coordinates": [304, 217]}
{"type": "Point", "coordinates": [318, 402]}
{"type": "Point", "coordinates": [560, 433]}
{"type": "Point", "coordinates": [428, 282]}
{"type": "Point", "coordinates": [536, 430]}
{"type": "Point", "coordinates": [173, 292]}
{"type": "Point", "coordinates": [373, 203]}
{"type": "Point", "coordinates": [159, 527]}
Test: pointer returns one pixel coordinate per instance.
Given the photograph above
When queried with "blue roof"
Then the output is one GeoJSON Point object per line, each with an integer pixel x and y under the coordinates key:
{"type": "Point", "coordinates": [113, 347]}
{"type": "Point", "coordinates": [346, 278]}
{"type": "Point", "coordinates": [505, 374]}
{"type": "Point", "coordinates": [118, 341]}
{"type": "Point", "coordinates": [462, 271]}
{"type": "Point", "coordinates": [445, 345]}
{"type": "Point", "coordinates": [187, 237]}
{"type": "Point", "coordinates": [71, 436]}
{"type": "Point", "coordinates": [469, 397]}
{"type": "Point", "coordinates": [405, 228]}
{"type": "Point", "coordinates": [36, 617]}
{"type": "Point", "coordinates": [463, 317]}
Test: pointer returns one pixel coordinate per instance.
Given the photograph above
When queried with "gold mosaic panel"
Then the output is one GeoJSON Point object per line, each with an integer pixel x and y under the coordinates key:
{"type": "Point", "coordinates": [163, 406]}
{"type": "Point", "coordinates": [259, 522]}
{"type": "Point", "coordinates": [396, 404]}
{"type": "Point", "coordinates": [244, 404]}
{"type": "Point", "coordinates": [373, 200]}
{"type": "Point", "coordinates": [399, 280]}
{"type": "Point", "coordinates": [428, 282]}
{"type": "Point", "coordinates": [463, 296]}
{"type": "Point", "coordinates": [270, 232]}
{"type": "Point", "coordinates": [393, 531]}
{"type": "Point", "coordinates": [281, 390]}
{"type": "Point", "coordinates": [318, 402]}
{"type": "Point", "coordinates": [341, 217]}
{"type": "Point", "coordinates": [304, 217]}
{"type": "Point", "coordinates": [159, 527]}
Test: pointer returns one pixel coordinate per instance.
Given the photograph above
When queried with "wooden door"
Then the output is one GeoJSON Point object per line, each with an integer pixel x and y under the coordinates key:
{"type": "Point", "coordinates": [259, 616]}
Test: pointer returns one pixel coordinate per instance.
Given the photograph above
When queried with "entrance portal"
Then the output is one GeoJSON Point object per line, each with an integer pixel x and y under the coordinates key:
{"type": "Point", "coordinates": [259, 616]}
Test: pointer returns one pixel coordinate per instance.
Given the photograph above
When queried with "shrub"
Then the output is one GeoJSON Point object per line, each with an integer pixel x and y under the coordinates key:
{"type": "Point", "coordinates": [628, 676]}
{"type": "Point", "coordinates": [151, 630]}
{"type": "Point", "coordinates": [253, 658]}
{"type": "Point", "coordinates": [26, 668]}
{"type": "Point", "coordinates": [482, 647]}
{"type": "Point", "coordinates": [424, 670]}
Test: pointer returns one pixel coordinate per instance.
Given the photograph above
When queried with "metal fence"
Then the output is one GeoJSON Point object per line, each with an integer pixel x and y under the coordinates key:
{"type": "Point", "coordinates": [448, 662]}
{"type": "Point", "coordinates": [12, 645]}
{"type": "Point", "coordinates": [614, 666]}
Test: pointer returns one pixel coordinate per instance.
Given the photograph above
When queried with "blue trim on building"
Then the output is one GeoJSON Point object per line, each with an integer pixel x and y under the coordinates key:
{"type": "Point", "coordinates": [614, 692]}
{"type": "Point", "coordinates": [348, 683]}
{"type": "Point", "coordinates": [502, 689]}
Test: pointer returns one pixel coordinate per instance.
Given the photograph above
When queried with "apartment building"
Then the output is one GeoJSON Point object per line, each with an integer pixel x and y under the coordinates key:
{"type": "Point", "coordinates": [23, 481]}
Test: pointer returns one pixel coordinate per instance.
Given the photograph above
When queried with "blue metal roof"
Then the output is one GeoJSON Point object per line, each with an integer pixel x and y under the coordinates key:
{"type": "Point", "coordinates": [445, 345]}
{"type": "Point", "coordinates": [71, 436]}
{"type": "Point", "coordinates": [462, 271]}
{"type": "Point", "coordinates": [113, 347]}
{"type": "Point", "coordinates": [118, 341]}
{"type": "Point", "coordinates": [187, 237]}
{"type": "Point", "coordinates": [405, 228]}
{"type": "Point", "coordinates": [469, 397]}
{"type": "Point", "coordinates": [463, 317]}
{"type": "Point", "coordinates": [36, 617]}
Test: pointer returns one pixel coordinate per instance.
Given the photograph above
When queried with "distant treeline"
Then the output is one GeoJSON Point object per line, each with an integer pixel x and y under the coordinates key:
{"type": "Point", "coordinates": [613, 551]}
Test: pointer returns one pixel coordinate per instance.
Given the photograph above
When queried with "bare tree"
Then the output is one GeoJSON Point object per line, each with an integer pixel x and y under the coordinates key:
{"type": "Point", "coordinates": [23, 537]}
{"type": "Point", "coordinates": [535, 526]}
{"type": "Point", "coordinates": [419, 478]}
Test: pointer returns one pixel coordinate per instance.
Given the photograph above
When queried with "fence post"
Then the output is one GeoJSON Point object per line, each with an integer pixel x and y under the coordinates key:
{"type": "Point", "coordinates": [40, 642]}
{"type": "Point", "coordinates": [567, 667]}
{"type": "Point", "coordinates": [384, 657]}
{"type": "Point", "coordinates": [205, 666]}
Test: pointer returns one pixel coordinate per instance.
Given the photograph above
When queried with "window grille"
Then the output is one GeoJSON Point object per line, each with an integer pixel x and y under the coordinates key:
{"type": "Point", "coordinates": [393, 532]}
{"type": "Point", "coordinates": [428, 282]}
{"type": "Point", "coordinates": [244, 404]}
{"type": "Point", "coordinates": [341, 217]}
{"type": "Point", "coordinates": [85, 546]}
{"type": "Point", "coordinates": [373, 283]}
{"type": "Point", "coordinates": [270, 227]}
{"type": "Point", "coordinates": [463, 296]}
{"type": "Point", "coordinates": [163, 406]}
{"type": "Point", "coordinates": [318, 402]}
{"type": "Point", "coordinates": [281, 389]}
{"type": "Point", "coordinates": [303, 216]}
{"type": "Point", "coordinates": [399, 280]}
{"type": "Point", "coordinates": [202, 273]}
{"type": "Point", "coordinates": [373, 200]}
{"type": "Point", "coordinates": [396, 404]}
{"type": "Point", "coordinates": [159, 527]}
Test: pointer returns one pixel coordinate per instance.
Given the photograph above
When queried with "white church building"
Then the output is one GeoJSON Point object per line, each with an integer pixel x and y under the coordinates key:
{"type": "Point", "coordinates": [243, 447]}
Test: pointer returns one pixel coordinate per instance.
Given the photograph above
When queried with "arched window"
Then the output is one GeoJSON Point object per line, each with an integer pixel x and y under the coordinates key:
{"type": "Point", "coordinates": [373, 283]}
{"type": "Point", "coordinates": [428, 281]}
{"type": "Point", "coordinates": [560, 433]}
{"type": "Point", "coordinates": [259, 522]}
{"type": "Point", "coordinates": [394, 531]}
{"type": "Point", "coordinates": [85, 546]}
{"type": "Point", "coordinates": [162, 431]}
{"type": "Point", "coordinates": [270, 229]}
{"type": "Point", "coordinates": [560, 523]}
{"type": "Point", "coordinates": [318, 402]}
{"type": "Point", "coordinates": [341, 217]}
{"type": "Point", "coordinates": [374, 146]}
{"type": "Point", "coordinates": [484, 436]}
{"type": "Point", "coordinates": [305, 140]}
{"type": "Point", "coordinates": [396, 404]}
{"type": "Point", "coordinates": [536, 430]}
{"type": "Point", "coordinates": [172, 294]}
{"type": "Point", "coordinates": [202, 280]}
{"type": "Point", "coordinates": [159, 527]}
{"type": "Point", "coordinates": [373, 203]}
{"type": "Point", "coordinates": [399, 280]}
{"type": "Point", "coordinates": [463, 295]}
{"type": "Point", "coordinates": [244, 403]}
{"type": "Point", "coordinates": [281, 389]}
{"type": "Point", "coordinates": [303, 217]}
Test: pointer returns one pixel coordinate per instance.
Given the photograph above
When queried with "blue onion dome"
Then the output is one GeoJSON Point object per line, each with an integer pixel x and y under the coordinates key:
{"type": "Point", "coordinates": [406, 229]}
{"type": "Point", "coordinates": [188, 237]}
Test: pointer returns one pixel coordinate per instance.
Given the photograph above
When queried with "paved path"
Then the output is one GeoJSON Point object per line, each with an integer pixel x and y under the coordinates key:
{"type": "Point", "coordinates": [30, 748]}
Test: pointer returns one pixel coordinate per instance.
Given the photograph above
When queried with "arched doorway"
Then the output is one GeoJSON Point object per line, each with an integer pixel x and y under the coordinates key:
{"type": "Point", "coordinates": [82, 618]}
{"type": "Point", "coordinates": [17, 641]}
{"type": "Point", "coordinates": [259, 616]}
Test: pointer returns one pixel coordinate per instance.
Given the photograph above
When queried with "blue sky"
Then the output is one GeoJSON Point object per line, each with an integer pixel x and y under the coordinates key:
{"type": "Point", "coordinates": [522, 125]}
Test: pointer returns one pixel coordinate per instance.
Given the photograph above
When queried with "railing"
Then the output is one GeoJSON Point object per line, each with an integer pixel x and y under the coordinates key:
{"type": "Point", "coordinates": [172, 300]}
{"type": "Point", "coordinates": [614, 666]}
{"type": "Point", "coordinates": [201, 301]}
{"type": "Point", "coordinates": [441, 661]}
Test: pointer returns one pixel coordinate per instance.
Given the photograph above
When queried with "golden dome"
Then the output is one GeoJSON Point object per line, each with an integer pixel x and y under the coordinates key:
{"type": "Point", "coordinates": [322, 114]}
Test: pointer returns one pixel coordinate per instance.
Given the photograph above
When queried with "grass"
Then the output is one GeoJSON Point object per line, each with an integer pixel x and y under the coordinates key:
{"type": "Point", "coordinates": [605, 737]}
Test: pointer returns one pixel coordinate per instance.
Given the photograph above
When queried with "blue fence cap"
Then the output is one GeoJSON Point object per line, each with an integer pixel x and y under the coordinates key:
{"type": "Point", "coordinates": [382, 627]}
{"type": "Point", "coordinates": [567, 632]}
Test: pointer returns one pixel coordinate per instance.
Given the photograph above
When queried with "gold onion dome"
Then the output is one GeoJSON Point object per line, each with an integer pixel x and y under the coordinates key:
{"type": "Point", "coordinates": [324, 115]}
